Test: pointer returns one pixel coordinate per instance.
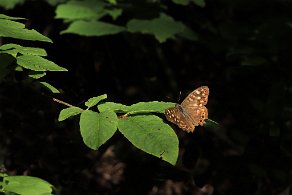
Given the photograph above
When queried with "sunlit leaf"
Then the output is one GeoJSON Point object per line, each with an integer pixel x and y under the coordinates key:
{"type": "Point", "coordinates": [17, 30]}
{"type": "Point", "coordinates": [38, 63]}
{"type": "Point", "coordinates": [97, 128]}
{"type": "Point", "coordinates": [150, 134]}
{"type": "Point", "coordinates": [26, 185]}
{"type": "Point", "coordinates": [68, 112]}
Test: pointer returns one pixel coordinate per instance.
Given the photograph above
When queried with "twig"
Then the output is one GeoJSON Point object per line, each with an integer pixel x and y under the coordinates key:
{"type": "Point", "coordinates": [61, 102]}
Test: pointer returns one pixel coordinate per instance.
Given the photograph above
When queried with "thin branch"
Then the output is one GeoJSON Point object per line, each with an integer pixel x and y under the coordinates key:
{"type": "Point", "coordinates": [62, 102]}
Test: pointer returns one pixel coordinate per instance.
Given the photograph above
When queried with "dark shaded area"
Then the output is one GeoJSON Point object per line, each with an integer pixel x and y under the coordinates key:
{"type": "Point", "coordinates": [243, 54]}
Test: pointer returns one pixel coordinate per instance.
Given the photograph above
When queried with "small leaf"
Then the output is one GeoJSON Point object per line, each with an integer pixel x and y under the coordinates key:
{"type": "Point", "coordinates": [10, 4]}
{"type": "Point", "coordinates": [93, 28]}
{"type": "Point", "coordinates": [93, 101]}
{"type": "Point", "coordinates": [97, 128]}
{"type": "Point", "coordinates": [26, 185]}
{"type": "Point", "coordinates": [164, 27]}
{"type": "Point", "coordinates": [154, 106]}
{"type": "Point", "coordinates": [17, 30]}
{"type": "Point", "coordinates": [38, 63]}
{"type": "Point", "coordinates": [36, 74]}
{"type": "Point", "coordinates": [114, 13]}
{"type": "Point", "coordinates": [150, 134]}
{"type": "Point", "coordinates": [200, 3]}
{"type": "Point", "coordinates": [113, 106]}
{"type": "Point", "coordinates": [181, 2]}
{"type": "Point", "coordinates": [68, 112]}
{"type": "Point", "coordinates": [14, 49]}
{"type": "Point", "coordinates": [114, 2]}
{"type": "Point", "coordinates": [75, 11]}
{"type": "Point", "coordinates": [50, 87]}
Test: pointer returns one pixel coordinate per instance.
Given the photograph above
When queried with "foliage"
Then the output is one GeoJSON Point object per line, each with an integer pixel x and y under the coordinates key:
{"type": "Point", "coordinates": [17, 57]}
{"type": "Point", "coordinates": [24, 185]}
{"type": "Point", "coordinates": [143, 129]}
{"type": "Point", "coordinates": [20, 58]}
{"type": "Point", "coordinates": [82, 16]}
{"type": "Point", "coordinates": [137, 51]}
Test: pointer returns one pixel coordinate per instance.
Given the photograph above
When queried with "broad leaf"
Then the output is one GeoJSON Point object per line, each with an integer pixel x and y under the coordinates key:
{"type": "Point", "coordinates": [93, 101]}
{"type": "Point", "coordinates": [26, 185]}
{"type": "Point", "coordinates": [14, 49]}
{"type": "Point", "coordinates": [77, 10]}
{"type": "Point", "coordinates": [154, 106]}
{"type": "Point", "coordinates": [117, 107]}
{"type": "Point", "coordinates": [93, 28]}
{"type": "Point", "coordinates": [150, 134]}
{"type": "Point", "coordinates": [38, 63]}
{"type": "Point", "coordinates": [97, 128]}
{"type": "Point", "coordinates": [164, 27]}
{"type": "Point", "coordinates": [17, 30]}
{"type": "Point", "coordinates": [68, 112]}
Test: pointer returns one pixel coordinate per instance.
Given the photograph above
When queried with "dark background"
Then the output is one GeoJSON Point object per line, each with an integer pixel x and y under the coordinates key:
{"type": "Point", "coordinates": [243, 53]}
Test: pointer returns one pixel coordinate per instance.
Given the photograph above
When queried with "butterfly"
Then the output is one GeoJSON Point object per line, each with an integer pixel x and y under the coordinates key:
{"type": "Point", "coordinates": [191, 112]}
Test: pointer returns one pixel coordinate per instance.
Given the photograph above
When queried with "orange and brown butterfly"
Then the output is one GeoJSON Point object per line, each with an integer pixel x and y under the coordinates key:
{"type": "Point", "coordinates": [191, 112]}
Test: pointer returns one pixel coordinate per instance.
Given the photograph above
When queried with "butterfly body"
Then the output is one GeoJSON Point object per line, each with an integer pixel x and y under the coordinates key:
{"type": "Point", "coordinates": [191, 112]}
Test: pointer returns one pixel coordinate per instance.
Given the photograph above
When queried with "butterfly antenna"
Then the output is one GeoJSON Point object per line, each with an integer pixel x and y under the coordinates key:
{"type": "Point", "coordinates": [179, 96]}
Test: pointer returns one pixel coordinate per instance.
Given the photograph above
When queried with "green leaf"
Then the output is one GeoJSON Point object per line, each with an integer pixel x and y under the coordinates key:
{"type": "Point", "coordinates": [77, 10]}
{"type": "Point", "coordinates": [2, 16]}
{"type": "Point", "coordinates": [26, 185]}
{"type": "Point", "coordinates": [146, 107]}
{"type": "Point", "coordinates": [181, 2]}
{"type": "Point", "coordinates": [114, 2]}
{"type": "Point", "coordinates": [200, 3]}
{"type": "Point", "coordinates": [17, 30]}
{"type": "Point", "coordinates": [141, 107]}
{"type": "Point", "coordinates": [36, 74]}
{"type": "Point", "coordinates": [150, 134]}
{"type": "Point", "coordinates": [38, 63]}
{"type": "Point", "coordinates": [93, 28]}
{"type": "Point", "coordinates": [68, 112]}
{"type": "Point", "coordinates": [164, 27]}
{"type": "Point", "coordinates": [50, 87]}
{"type": "Point", "coordinates": [97, 128]}
{"type": "Point", "coordinates": [113, 106]}
{"type": "Point", "coordinates": [14, 49]}
{"type": "Point", "coordinates": [114, 13]}
{"type": "Point", "coordinates": [10, 4]}
{"type": "Point", "coordinates": [93, 101]}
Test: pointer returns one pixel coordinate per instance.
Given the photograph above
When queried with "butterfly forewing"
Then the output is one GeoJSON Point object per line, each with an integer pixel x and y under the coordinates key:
{"type": "Point", "coordinates": [192, 112]}
{"type": "Point", "coordinates": [198, 97]}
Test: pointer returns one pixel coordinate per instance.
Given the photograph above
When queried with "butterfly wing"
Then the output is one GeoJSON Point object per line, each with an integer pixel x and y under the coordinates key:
{"type": "Point", "coordinates": [177, 116]}
{"type": "Point", "coordinates": [198, 115]}
{"type": "Point", "coordinates": [199, 97]}
{"type": "Point", "coordinates": [192, 112]}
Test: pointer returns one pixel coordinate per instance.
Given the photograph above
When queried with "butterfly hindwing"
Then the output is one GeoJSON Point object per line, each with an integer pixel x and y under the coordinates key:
{"type": "Point", "coordinates": [178, 117]}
